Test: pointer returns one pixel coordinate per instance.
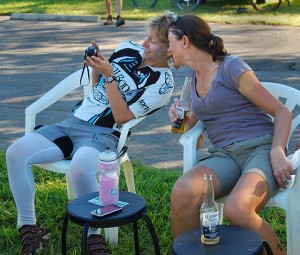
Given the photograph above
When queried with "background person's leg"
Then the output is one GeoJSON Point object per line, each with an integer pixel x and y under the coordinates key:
{"type": "Point", "coordinates": [108, 7]}
{"type": "Point", "coordinates": [119, 6]}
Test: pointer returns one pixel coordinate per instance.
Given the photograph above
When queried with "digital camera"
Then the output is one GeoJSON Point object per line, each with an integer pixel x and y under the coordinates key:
{"type": "Point", "coordinates": [90, 51]}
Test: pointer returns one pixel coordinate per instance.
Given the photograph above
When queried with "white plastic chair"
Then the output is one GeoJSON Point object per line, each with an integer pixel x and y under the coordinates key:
{"type": "Point", "coordinates": [286, 199]}
{"type": "Point", "coordinates": [63, 88]}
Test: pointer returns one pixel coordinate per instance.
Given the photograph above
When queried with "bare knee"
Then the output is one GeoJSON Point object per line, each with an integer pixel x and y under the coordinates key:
{"type": "Point", "coordinates": [178, 193]}
{"type": "Point", "coordinates": [235, 213]}
{"type": "Point", "coordinates": [184, 194]}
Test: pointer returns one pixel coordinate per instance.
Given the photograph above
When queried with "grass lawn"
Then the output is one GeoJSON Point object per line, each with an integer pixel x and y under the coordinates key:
{"type": "Point", "coordinates": [217, 11]}
{"type": "Point", "coordinates": [153, 184]}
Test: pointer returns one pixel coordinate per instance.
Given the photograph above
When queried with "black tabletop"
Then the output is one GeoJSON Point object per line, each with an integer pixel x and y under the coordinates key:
{"type": "Point", "coordinates": [79, 211]}
{"type": "Point", "coordinates": [233, 241]}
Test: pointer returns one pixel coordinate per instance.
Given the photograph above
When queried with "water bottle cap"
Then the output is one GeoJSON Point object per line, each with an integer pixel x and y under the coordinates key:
{"type": "Point", "coordinates": [108, 155]}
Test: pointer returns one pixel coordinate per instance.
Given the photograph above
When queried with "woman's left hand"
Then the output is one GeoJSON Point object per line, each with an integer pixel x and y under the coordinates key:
{"type": "Point", "coordinates": [282, 169]}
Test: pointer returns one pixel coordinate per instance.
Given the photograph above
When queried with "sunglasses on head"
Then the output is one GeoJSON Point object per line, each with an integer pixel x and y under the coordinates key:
{"type": "Point", "coordinates": [174, 18]}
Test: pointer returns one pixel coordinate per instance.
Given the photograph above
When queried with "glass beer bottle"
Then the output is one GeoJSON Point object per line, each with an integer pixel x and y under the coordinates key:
{"type": "Point", "coordinates": [179, 126]}
{"type": "Point", "coordinates": [209, 214]}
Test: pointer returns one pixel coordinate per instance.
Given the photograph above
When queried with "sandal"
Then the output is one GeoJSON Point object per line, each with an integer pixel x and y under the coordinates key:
{"type": "Point", "coordinates": [97, 245]}
{"type": "Point", "coordinates": [31, 238]}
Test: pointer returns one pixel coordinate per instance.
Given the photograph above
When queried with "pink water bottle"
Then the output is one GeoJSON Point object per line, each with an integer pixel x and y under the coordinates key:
{"type": "Point", "coordinates": [108, 177]}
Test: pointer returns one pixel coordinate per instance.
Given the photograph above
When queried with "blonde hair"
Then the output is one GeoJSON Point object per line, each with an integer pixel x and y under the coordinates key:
{"type": "Point", "coordinates": [160, 25]}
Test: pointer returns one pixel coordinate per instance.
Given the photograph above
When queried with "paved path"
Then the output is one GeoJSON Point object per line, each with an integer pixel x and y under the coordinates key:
{"type": "Point", "coordinates": [35, 55]}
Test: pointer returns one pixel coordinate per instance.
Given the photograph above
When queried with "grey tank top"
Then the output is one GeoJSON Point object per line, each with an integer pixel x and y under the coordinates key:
{"type": "Point", "coordinates": [227, 115]}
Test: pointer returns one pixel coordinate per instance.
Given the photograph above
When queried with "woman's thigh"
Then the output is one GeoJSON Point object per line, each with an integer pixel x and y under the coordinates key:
{"type": "Point", "coordinates": [34, 147]}
{"type": "Point", "coordinates": [249, 194]}
{"type": "Point", "coordinates": [224, 167]}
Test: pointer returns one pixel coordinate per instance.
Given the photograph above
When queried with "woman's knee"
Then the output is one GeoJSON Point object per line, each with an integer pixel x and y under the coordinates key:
{"type": "Point", "coordinates": [179, 191]}
{"type": "Point", "coordinates": [231, 211]}
{"type": "Point", "coordinates": [237, 212]}
{"type": "Point", "coordinates": [78, 169]}
{"type": "Point", "coordinates": [13, 152]}
{"type": "Point", "coordinates": [84, 163]}
{"type": "Point", "coordinates": [186, 192]}
{"type": "Point", "coordinates": [10, 152]}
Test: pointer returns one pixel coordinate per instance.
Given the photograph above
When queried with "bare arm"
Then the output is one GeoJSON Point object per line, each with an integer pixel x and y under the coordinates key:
{"type": "Point", "coordinates": [251, 88]}
{"type": "Point", "coordinates": [100, 65]}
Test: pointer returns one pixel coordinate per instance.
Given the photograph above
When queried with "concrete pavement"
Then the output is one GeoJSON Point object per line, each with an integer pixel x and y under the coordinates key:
{"type": "Point", "coordinates": [35, 55]}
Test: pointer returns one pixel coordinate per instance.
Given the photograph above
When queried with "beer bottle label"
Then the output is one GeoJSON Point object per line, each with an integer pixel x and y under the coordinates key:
{"type": "Point", "coordinates": [177, 124]}
{"type": "Point", "coordinates": [180, 117]}
{"type": "Point", "coordinates": [210, 224]}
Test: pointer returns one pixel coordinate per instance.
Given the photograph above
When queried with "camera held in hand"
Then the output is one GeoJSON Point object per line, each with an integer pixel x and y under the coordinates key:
{"type": "Point", "coordinates": [90, 51]}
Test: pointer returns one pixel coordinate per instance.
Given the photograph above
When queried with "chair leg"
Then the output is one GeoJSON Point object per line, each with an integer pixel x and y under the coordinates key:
{"type": "Point", "coordinates": [220, 206]}
{"type": "Point", "coordinates": [293, 227]}
{"type": "Point", "coordinates": [70, 191]}
{"type": "Point", "coordinates": [128, 172]}
{"type": "Point", "coordinates": [111, 235]}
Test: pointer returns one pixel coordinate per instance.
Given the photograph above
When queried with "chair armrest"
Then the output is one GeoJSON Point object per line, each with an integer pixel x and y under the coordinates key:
{"type": "Point", "coordinates": [64, 87]}
{"type": "Point", "coordinates": [125, 130]}
{"type": "Point", "coordinates": [189, 143]}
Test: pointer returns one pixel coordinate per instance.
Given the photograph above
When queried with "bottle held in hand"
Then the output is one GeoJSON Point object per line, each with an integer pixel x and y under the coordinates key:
{"type": "Point", "coordinates": [180, 125]}
{"type": "Point", "coordinates": [209, 214]}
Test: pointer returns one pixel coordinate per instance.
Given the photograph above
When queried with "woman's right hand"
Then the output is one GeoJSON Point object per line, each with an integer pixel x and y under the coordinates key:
{"type": "Point", "coordinates": [173, 111]}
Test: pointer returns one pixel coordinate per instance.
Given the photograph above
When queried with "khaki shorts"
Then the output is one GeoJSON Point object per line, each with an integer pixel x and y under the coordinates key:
{"type": "Point", "coordinates": [248, 156]}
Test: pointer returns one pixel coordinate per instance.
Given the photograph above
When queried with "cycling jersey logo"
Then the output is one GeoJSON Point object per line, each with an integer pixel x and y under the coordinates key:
{"type": "Point", "coordinates": [129, 64]}
{"type": "Point", "coordinates": [100, 97]}
{"type": "Point", "coordinates": [143, 105]}
{"type": "Point", "coordinates": [167, 86]}
{"type": "Point", "coordinates": [142, 79]}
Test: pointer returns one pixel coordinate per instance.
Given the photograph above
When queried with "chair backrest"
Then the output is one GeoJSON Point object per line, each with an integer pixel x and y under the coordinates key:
{"type": "Point", "coordinates": [60, 90]}
{"type": "Point", "coordinates": [290, 97]}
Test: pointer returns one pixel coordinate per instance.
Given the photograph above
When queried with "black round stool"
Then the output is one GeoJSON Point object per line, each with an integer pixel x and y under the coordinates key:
{"type": "Point", "coordinates": [79, 212]}
{"type": "Point", "coordinates": [233, 241]}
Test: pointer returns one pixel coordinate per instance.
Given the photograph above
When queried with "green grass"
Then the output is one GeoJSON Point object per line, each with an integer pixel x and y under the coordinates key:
{"type": "Point", "coordinates": [217, 11]}
{"type": "Point", "coordinates": [153, 184]}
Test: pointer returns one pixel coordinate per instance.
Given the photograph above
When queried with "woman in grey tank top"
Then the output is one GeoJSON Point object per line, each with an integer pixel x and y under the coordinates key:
{"type": "Point", "coordinates": [248, 160]}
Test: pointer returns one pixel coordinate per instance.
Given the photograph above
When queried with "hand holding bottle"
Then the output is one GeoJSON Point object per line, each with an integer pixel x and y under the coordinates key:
{"type": "Point", "coordinates": [179, 126]}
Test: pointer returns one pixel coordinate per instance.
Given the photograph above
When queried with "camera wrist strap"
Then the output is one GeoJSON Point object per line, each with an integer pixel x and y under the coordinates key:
{"type": "Point", "coordinates": [88, 72]}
